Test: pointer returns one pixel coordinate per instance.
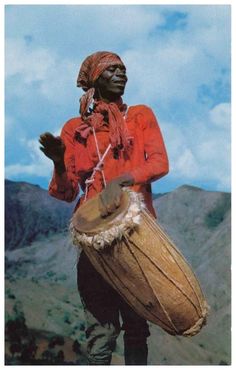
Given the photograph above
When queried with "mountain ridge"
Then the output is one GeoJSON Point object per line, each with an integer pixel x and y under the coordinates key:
{"type": "Point", "coordinates": [41, 275]}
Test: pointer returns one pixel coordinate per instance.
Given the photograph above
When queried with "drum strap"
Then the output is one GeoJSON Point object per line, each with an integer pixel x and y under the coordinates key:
{"type": "Point", "coordinates": [98, 167]}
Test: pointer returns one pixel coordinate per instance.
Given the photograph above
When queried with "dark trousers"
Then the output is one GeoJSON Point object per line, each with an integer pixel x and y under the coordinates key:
{"type": "Point", "coordinates": [102, 306]}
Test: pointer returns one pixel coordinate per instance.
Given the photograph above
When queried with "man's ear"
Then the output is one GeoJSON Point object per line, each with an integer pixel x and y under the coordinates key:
{"type": "Point", "coordinates": [97, 94]}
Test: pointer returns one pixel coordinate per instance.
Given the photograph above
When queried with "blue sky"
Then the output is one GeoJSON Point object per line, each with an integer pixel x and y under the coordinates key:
{"type": "Point", "coordinates": [178, 63]}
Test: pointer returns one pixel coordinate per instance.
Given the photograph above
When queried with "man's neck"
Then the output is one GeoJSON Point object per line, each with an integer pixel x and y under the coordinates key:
{"type": "Point", "coordinates": [111, 98]}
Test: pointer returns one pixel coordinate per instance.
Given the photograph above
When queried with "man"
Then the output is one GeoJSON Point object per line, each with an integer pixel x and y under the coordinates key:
{"type": "Point", "coordinates": [135, 156]}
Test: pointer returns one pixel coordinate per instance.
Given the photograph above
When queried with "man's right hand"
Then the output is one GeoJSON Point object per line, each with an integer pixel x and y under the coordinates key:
{"type": "Point", "coordinates": [110, 197]}
{"type": "Point", "coordinates": [53, 147]}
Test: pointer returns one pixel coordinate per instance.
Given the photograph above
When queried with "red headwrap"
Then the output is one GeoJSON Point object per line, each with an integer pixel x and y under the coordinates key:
{"type": "Point", "coordinates": [92, 67]}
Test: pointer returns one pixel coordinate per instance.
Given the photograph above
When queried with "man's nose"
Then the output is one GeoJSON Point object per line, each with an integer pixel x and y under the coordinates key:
{"type": "Point", "coordinates": [121, 72]}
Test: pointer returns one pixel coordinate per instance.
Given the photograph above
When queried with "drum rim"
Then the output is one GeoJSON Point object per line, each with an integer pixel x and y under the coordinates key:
{"type": "Point", "coordinates": [125, 222]}
{"type": "Point", "coordinates": [109, 218]}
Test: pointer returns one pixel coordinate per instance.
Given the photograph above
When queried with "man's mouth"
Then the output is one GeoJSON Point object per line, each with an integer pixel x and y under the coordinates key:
{"type": "Point", "coordinates": [120, 82]}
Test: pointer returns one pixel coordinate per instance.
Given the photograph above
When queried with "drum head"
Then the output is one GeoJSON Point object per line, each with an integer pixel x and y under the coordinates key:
{"type": "Point", "coordinates": [87, 218]}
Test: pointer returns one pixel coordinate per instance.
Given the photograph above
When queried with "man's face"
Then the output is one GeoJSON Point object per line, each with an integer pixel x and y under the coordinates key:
{"type": "Point", "coordinates": [111, 82]}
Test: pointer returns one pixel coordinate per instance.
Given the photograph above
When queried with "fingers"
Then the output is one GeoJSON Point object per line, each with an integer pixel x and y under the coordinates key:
{"type": "Point", "coordinates": [102, 208]}
{"type": "Point", "coordinates": [47, 139]}
{"type": "Point", "coordinates": [53, 147]}
{"type": "Point", "coordinates": [109, 201]}
{"type": "Point", "coordinates": [42, 149]}
{"type": "Point", "coordinates": [117, 200]}
{"type": "Point", "coordinates": [46, 136]}
{"type": "Point", "coordinates": [47, 152]}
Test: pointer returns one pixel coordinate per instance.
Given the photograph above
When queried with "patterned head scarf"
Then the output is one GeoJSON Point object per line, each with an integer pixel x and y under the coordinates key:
{"type": "Point", "coordinates": [92, 67]}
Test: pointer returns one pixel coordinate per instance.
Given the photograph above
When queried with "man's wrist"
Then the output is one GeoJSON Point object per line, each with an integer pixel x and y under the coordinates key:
{"type": "Point", "coordinates": [126, 180]}
{"type": "Point", "coordinates": [60, 167]}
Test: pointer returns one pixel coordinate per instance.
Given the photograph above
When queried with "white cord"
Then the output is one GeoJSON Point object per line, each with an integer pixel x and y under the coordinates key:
{"type": "Point", "coordinates": [98, 167]}
{"type": "Point", "coordinates": [99, 156]}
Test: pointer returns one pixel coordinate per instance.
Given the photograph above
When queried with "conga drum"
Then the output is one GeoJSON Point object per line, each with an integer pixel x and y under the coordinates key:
{"type": "Point", "coordinates": [136, 257]}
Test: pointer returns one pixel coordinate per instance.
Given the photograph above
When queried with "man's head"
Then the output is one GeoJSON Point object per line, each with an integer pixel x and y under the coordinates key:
{"type": "Point", "coordinates": [111, 83]}
{"type": "Point", "coordinates": [105, 72]}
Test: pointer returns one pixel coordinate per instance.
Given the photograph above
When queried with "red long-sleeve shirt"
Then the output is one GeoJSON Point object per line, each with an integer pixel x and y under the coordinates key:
{"type": "Point", "coordinates": [147, 162]}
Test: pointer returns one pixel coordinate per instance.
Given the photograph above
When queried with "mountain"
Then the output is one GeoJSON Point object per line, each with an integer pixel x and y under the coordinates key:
{"type": "Point", "coordinates": [199, 222]}
{"type": "Point", "coordinates": [31, 213]}
{"type": "Point", "coordinates": [41, 292]}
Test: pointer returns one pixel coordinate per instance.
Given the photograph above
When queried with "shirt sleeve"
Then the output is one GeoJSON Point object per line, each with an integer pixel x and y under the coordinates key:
{"type": "Point", "coordinates": [66, 185]}
{"type": "Point", "coordinates": [156, 164]}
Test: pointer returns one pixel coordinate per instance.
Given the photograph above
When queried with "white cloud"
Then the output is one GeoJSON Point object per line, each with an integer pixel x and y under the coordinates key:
{"type": "Point", "coordinates": [182, 157]}
{"type": "Point", "coordinates": [220, 115]}
{"type": "Point", "coordinates": [163, 77]}
{"type": "Point", "coordinates": [83, 29]}
{"type": "Point", "coordinates": [32, 65]}
{"type": "Point", "coordinates": [38, 164]}
{"type": "Point", "coordinates": [201, 150]}
{"type": "Point", "coordinates": [163, 67]}
{"type": "Point", "coordinates": [15, 170]}
{"type": "Point", "coordinates": [185, 165]}
{"type": "Point", "coordinates": [173, 66]}
{"type": "Point", "coordinates": [56, 77]}
{"type": "Point", "coordinates": [208, 28]}
{"type": "Point", "coordinates": [10, 122]}
{"type": "Point", "coordinates": [119, 23]}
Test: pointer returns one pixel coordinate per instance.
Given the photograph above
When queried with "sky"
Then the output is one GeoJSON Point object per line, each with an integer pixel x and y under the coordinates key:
{"type": "Point", "coordinates": [178, 61]}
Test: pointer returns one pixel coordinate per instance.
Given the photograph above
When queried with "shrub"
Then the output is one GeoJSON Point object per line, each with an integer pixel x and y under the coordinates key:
{"type": "Point", "coordinates": [82, 326]}
{"type": "Point", "coordinates": [22, 343]}
{"type": "Point", "coordinates": [56, 340]}
{"type": "Point", "coordinates": [217, 214]}
{"type": "Point", "coordinates": [9, 294]}
{"type": "Point", "coordinates": [67, 318]}
{"type": "Point", "coordinates": [76, 347]}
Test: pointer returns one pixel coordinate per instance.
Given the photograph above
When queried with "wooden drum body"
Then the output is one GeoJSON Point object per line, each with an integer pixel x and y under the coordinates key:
{"type": "Point", "coordinates": [135, 256]}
